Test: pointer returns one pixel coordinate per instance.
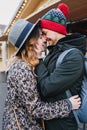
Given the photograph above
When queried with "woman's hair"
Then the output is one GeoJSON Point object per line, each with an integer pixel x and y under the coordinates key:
{"type": "Point", "coordinates": [27, 52]}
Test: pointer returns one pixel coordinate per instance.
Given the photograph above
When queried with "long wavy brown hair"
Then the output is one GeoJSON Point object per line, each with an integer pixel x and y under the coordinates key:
{"type": "Point", "coordinates": [27, 52]}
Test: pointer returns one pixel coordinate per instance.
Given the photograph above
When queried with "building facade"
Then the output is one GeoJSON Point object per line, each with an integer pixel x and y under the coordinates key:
{"type": "Point", "coordinates": [31, 10]}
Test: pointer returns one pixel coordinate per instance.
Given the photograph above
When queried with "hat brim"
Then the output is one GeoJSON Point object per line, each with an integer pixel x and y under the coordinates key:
{"type": "Point", "coordinates": [28, 34]}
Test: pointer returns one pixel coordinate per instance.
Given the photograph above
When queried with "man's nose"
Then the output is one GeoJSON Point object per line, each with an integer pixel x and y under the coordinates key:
{"type": "Point", "coordinates": [44, 39]}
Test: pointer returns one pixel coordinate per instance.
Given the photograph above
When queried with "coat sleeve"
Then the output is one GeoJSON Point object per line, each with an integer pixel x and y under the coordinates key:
{"type": "Point", "coordinates": [28, 93]}
{"type": "Point", "coordinates": [62, 77]}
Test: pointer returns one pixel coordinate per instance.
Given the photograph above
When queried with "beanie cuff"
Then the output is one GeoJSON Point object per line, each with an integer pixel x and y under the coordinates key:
{"type": "Point", "coordinates": [53, 26]}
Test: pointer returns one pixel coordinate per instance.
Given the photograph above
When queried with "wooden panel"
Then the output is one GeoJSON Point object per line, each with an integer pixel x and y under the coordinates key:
{"type": "Point", "coordinates": [31, 7]}
{"type": "Point", "coordinates": [78, 10]}
{"type": "Point", "coordinates": [3, 38]}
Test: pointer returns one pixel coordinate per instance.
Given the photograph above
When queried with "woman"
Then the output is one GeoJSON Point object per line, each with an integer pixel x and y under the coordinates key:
{"type": "Point", "coordinates": [23, 106]}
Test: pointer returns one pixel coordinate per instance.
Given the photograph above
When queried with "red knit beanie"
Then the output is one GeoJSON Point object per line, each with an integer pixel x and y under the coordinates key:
{"type": "Point", "coordinates": [55, 19]}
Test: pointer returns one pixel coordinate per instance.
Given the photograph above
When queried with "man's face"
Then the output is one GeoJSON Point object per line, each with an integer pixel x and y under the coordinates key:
{"type": "Point", "coordinates": [50, 36]}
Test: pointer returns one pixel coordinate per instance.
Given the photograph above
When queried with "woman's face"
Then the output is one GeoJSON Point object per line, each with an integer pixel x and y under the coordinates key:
{"type": "Point", "coordinates": [40, 44]}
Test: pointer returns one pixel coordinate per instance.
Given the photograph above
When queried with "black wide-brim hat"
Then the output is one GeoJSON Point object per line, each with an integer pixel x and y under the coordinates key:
{"type": "Point", "coordinates": [20, 32]}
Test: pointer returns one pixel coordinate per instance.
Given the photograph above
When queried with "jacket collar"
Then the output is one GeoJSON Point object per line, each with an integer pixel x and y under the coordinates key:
{"type": "Point", "coordinates": [76, 40]}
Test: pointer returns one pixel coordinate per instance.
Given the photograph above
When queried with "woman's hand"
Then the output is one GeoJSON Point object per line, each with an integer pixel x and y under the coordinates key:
{"type": "Point", "coordinates": [75, 101]}
{"type": "Point", "coordinates": [39, 47]}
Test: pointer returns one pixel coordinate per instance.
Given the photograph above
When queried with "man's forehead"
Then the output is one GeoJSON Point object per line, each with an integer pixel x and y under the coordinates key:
{"type": "Point", "coordinates": [45, 31]}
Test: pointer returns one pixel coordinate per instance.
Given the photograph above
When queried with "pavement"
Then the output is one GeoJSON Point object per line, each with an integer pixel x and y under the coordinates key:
{"type": "Point", "coordinates": [3, 93]}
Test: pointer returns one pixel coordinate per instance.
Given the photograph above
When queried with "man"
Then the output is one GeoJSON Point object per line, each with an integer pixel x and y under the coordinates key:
{"type": "Point", "coordinates": [54, 81]}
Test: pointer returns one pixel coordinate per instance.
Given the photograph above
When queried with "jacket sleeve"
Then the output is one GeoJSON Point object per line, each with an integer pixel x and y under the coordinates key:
{"type": "Point", "coordinates": [27, 91]}
{"type": "Point", "coordinates": [62, 77]}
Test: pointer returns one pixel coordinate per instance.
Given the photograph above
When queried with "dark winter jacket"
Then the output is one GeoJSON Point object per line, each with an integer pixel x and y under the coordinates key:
{"type": "Point", "coordinates": [53, 82]}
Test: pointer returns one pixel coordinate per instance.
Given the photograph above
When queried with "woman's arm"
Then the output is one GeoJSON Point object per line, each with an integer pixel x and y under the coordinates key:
{"type": "Point", "coordinates": [31, 100]}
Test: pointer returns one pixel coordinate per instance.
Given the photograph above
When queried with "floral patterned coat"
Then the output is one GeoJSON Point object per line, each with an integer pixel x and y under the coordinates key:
{"type": "Point", "coordinates": [23, 94]}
